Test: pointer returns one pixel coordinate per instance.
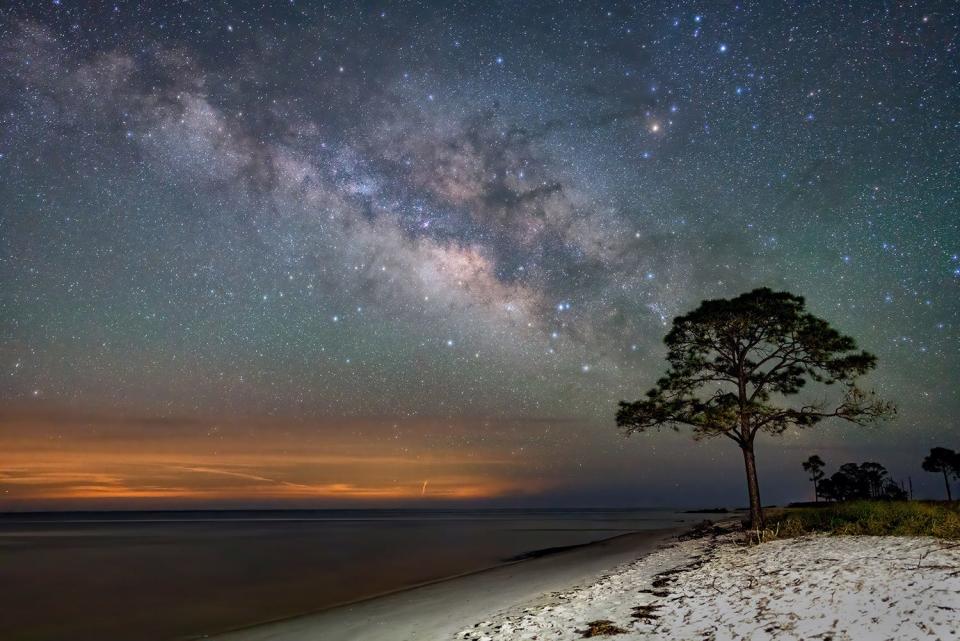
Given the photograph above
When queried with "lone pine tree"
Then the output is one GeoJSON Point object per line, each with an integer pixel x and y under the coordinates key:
{"type": "Point", "coordinates": [734, 364]}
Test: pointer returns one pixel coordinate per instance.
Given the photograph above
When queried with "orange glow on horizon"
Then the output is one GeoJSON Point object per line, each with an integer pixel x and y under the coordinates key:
{"type": "Point", "coordinates": [46, 461]}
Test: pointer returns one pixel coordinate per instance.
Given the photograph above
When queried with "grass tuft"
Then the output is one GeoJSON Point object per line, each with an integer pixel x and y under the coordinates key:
{"type": "Point", "coordinates": [871, 518]}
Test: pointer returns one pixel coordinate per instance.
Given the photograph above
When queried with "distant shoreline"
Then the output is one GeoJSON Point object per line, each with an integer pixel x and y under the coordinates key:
{"type": "Point", "coordinates": [30, 514]}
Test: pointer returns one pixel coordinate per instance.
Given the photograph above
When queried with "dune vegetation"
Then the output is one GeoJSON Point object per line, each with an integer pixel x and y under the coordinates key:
{"type": "Point", "coordinates": [873, 518]}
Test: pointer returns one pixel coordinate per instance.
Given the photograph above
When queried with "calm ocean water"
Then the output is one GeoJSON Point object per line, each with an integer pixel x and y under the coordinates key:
{"type": "Point", "coordinates": [143, 576]}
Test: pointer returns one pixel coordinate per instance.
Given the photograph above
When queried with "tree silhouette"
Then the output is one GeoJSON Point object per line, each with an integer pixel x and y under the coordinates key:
{"type": "Point", "coordinates": [728, 358]}
{"type": "Point", "coordinates": [944, 461]}
{"type": "Point", "coordinates": [865, 481]}
{"type": "Point", "coordinates": [814, 467]}
{"type": "Point", "coordinates": [874, 478]}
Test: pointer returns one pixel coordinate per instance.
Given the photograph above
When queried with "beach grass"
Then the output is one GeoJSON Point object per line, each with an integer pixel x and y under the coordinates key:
{"type": "Point", "coordinates": [871, 518]}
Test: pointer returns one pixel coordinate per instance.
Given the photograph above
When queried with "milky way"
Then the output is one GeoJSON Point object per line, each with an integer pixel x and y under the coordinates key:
{"type": "Point", "coordinates": [461, 228]}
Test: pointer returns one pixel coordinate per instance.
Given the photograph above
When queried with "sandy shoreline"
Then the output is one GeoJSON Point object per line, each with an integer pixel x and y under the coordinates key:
{"type": "Point", "coordinates": [812, 587]}
{"type": "Point", "coordinates": [652, 585]}
{"type": "Point", "coordinates": [439, 610]}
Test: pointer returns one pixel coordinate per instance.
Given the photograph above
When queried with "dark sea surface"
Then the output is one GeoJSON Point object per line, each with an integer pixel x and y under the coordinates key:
{"type": "Point", "coordinates": [145, 576]}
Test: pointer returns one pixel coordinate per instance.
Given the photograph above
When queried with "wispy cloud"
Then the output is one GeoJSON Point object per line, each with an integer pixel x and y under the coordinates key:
{"type": "Point", "coordinates": [299, 466]}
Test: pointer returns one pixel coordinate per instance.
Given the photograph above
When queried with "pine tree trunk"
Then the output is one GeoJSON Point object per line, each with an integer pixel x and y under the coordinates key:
{"type": "Point", "coordinates": [816, 492]}
{"type": "Point", "coordinates": [753, 488]}
{"type": "Point", "coordinates": [946, 481]}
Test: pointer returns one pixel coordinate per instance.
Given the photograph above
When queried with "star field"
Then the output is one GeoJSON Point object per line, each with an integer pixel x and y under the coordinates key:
{"type": "Point", "coordinates": [457, 230]}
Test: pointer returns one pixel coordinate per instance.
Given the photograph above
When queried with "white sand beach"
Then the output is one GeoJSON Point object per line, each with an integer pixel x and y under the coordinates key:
{"type": "Point", "coordinates": [712, 587]}
{"type": "Point", "coordinates": [813, 587]}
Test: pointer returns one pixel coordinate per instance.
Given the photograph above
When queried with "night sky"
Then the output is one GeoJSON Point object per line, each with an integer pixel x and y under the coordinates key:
{"type": "Point", "coordinates": [413, 254]}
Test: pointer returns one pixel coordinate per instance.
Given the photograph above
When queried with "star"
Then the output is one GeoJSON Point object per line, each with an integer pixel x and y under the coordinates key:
{"type": "Point", "coordinates": [205, 216]}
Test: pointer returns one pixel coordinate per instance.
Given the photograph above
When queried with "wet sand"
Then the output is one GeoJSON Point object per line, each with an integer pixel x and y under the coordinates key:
{"type": "Point", "coordinates": [439, 610]}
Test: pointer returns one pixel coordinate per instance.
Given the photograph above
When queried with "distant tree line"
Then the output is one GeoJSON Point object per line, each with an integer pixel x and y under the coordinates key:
{"type": "Point", "coordinates": [852, 481]}
{"type": "Point", "coordinates": [871, 480]}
